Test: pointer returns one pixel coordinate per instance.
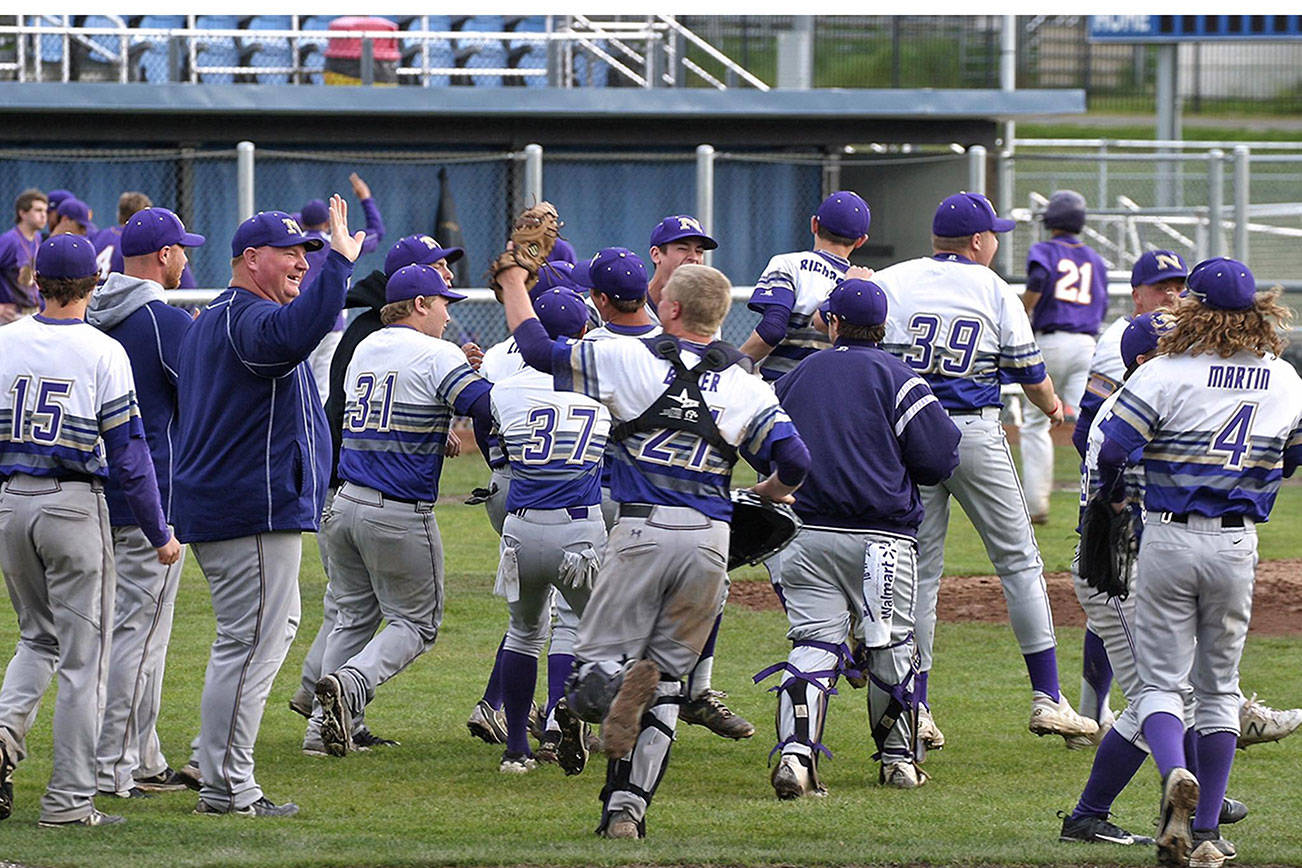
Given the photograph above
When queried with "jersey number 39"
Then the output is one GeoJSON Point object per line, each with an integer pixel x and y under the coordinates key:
{"type": "Point", "coordinates": [949, 354]}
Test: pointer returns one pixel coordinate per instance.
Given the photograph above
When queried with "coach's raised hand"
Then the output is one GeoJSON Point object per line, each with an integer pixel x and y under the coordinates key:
{"type": "Point", "coordinates": [349, 246]}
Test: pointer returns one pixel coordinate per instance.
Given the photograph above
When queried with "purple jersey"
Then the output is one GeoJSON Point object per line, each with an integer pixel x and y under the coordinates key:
{"type": "Point", "coordinates": [1073, 284]}
{"type": "Point", "coordinates": [17, 255]}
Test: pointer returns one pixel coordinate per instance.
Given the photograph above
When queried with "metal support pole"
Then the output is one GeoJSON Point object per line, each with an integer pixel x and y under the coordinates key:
{"type": "Point", "coordinates": [533, 171]}
{"type": "Point", "coordinates": [244, 180]}
{"type": "Point", "coordinates": [976, 169]}
{"type": "Point", "coordinates": [1168, 119]}
{"type": "Point", "coordinates": [705, 190]}
{"type": "Point", "coordinates": [368, 61]}
{"type": "Point", "coordinates": [1242, 196]}
{"type": "Point", "coordinates": [831, 173]}
{"type": "Point", "coordinates": [1005, 178]}
{"type": "Point", "coordinates": [1215, 200]}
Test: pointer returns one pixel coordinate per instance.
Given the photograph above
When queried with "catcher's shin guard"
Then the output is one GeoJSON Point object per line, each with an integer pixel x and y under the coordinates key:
{"type": "Point", "coordinates": [812, 669]}
{"type": "Point", "coordinates": [631, 781]}
{"type": "Point", "coordinates": [592, 686]}
{"type": "Point", "coordinates": [892, 711]}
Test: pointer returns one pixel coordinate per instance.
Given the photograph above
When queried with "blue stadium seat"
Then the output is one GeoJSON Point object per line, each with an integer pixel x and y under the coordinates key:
{"type": "Point", "coordinates": [312, 47]}
{"type": "Point", "coordinates": [218, 51]}
{"type": "Point", "coordinates": [261, 51]}
{"type": "Point", "coordinates": [492, 52]}
{"type": "Point", "coordinates": [526, 55]}
{"type": "Point", "coordinates": [153, 63]}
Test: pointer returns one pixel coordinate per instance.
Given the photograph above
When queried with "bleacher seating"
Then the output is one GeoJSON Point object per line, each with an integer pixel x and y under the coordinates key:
{"type": "Point", "coordinates": [154, 60]}
{"type": "Point", "coordinates": [220, 51]}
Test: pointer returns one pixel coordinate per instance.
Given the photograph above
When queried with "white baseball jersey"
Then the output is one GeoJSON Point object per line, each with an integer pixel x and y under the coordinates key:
{"type": "Point", "coordinates": [1214, 431]}
{"type": "Point", "coordinates": [403, 388]}
{"type": "Point", "coordinates": [800, 282]}
{"type": "Point", "coordinates": [961, 327]}
{"type": "Point", "coordinates": [1107, 368]}
{"type": "Point", "coordinates": [1089, 478]}
{"type": "Point", "coordinates": [501, 360]}
{"type": "Point", "coordinates": [554, 441]}
{"type": "Point", "coordinates": [56, 425]}
{"type": "Point", "coordinates": [609, 331]}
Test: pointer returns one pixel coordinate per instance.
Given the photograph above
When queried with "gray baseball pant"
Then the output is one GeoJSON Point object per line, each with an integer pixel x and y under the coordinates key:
{"type": "Point", "coordinates": [985, 486]}
{"type": "Point", "coordinates": [57, 556]}
{"type": "Point", "coordinates": [142, 627]}
{"type": "Point", "coordinates": [385, 553]}
{"type": "Point", "coordinates": [1067, 357]}
{"type": "Point", "coordinates": [254, 585]}
{"type": "Point", "coordinates": [499, 483]}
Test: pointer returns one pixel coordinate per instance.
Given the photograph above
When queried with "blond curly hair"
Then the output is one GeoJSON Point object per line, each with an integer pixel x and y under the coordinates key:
{"type": "Point", "coordinates": [1198, 329]}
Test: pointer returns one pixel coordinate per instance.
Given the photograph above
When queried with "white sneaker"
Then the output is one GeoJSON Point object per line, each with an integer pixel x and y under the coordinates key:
{"type": "Point", "coordinates": [928, 733]}
{"type": "Point", "coordinates": [1260, 723]}
{"type": "Point", "coordinates": [517, 764]}
{"type": "Point", "coordinates": [1086, 742]}
{"type": "Point", "coordinates": [1058, 718]}
{"type": "Point", "coordinates": [791, 779]}
{"type": "Point", "coordinates": [902, 775]}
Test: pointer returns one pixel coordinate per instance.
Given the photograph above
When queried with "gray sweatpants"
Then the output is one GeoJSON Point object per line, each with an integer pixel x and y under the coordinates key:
{"type": "Point", "coordinates": [985, 485]}
{"type": "Point", "coordinates": [254, 585]}
{"type": "Point", "coordinates": [57, 556]}
{"type": "Point", "coordinates": [383, 553]}
{"type": "Point", "coordinates": [142, 626]}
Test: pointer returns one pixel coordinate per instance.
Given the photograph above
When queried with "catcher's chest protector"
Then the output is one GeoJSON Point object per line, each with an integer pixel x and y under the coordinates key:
{"type": "Point", "coordinates": [682, 407]}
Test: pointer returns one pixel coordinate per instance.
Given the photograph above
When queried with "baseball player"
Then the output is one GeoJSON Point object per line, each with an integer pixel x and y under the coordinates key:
{"type": "Point", "coordinates": [679, 239]}
{"type": "Point", "coordinates": [553, 532]}
{"type": "Point", "coordinates": [1066, 298]}
{"type": "Point", "coordinates": [108, 242]}
{"type": "Point", "coordinates": [1218, 417]}
{"type": "Point", "coordinates": [793, 285]}
{"type": "Point", "coordinates": [251, 472]}
{"type": "Point", "coordinates": [366, 293]}
{"type": "Point", "coordinates": [851, 567]}
{"type": "Point", "coordinates": [962, 329]}
{"type": "Point", "coordinates": [664, 569]}
{"type": "Point", "coordinates": [315, 220]}
{"type": "Point", "coordinates": [131, 308]}
{"type": "Point", "coordinates": [68, 410]}
{"type": "Point", "coordinates": [74, 218]}
{"type": "Point", "coordinates": [405, 384]}
{"type": "Point", "coordinates": [18, 292]}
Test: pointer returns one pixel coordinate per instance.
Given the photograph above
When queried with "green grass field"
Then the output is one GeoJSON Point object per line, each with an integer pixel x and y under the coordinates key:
{"type": "Point", "coordinates": [439, 799]}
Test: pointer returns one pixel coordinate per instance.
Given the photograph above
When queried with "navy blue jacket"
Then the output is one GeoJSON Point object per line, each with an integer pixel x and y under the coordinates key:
{"type": "Point", "coordinates": [875, 432]}
{"type": "Point", "coordinates": [254, 450]}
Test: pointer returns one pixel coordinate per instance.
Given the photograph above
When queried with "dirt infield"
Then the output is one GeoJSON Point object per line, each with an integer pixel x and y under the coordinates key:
{"type": "Point", "coordinates": [1276, 604]}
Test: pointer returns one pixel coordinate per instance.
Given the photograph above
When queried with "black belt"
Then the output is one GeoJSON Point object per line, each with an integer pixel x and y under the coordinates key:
{"type": "Point", "coordinates": [977, 412]}
{"type": "Point", "coordinates": [575, 512]}
{"type": "Point", "coordinates": [635, 510]}
{"type": "Point", "coordinates": [1183, 518]}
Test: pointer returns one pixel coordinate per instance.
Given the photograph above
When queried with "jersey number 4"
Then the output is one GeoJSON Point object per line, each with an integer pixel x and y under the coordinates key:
{"type": "Point", "coordinates": [1075, 283]}
{"type": "Point", "coordinates": [1234, 439]}
{"type": "Point", "coordinates": [46, 418]}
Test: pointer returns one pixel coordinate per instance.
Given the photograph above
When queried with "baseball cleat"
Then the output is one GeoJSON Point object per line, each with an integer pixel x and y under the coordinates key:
{"type": "Point", "coordinates": [708, 710]}
{"type": "Point", "coordinates": [364, 739]}
{"type": "Point", "coordinates": [314, 746]}
{"type": "Point", "coordinates": [928, 733]}
{"type": "Point", "coordinates": [1088, 742]}
{"type": "Point", "coordinates": [792, 779]}
{"type": "Point", "coordinates": [1232, 811]}
{"type": "Point", "coordinates": [1058, 718]}
{"type": "Point", "coordinates": [167, 781]}
{"type": "Point", "coordinates": [546, 752]}
{"type": "Point", "coordinates": [902, 775]}
{"type": "Point", "coordinates": [7, 766]}
{"type": "Point", "coordinates": [301, 701]}
{"type": "Point", "coordinates": [263, 807]}
{"type": "Point", "coordinates": [94, 818]}
{"type": "Point", "coordinates": [1174, 833]}
{"type": "Point", "coordinates": [1260, 723]}
{"type": "Point", "coordinates": [621, 825]}
{"type": "Point", "coordinates": [571, 752]}
{"type": "Point", "coordinates": [517, 763]}
{"type": "Point", "coordinates": [1210, 849]}
{"type": "Point", "coordinates": [623, 722]}
{"type": "Point", "coordinates": [132, 793]}
{"type": "Point", "coordinates": [487, 723]}
{"type": "Point", "coordinates": [1089, 829]}
{"type": "Point", "coordinates": [336, 719]}
{"type": "Point", "coordinates": [536, 720]}
{"type": "Point", "coordinates": [190, 774]}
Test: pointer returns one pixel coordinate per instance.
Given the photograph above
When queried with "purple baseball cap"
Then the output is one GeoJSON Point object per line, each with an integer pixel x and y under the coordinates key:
{"type": "Point", "coordinates": [153, 229]}
{"type": "Point", "coordinates": [413, 280]}
{"type": "Point", "coordinates": [418, 250]}
{"type": "Point", "coordinates": [1155, 266]}
{"type": "Point", "coordinates": [271, 229]}
{"type": "Point", "coordinates": [315, 212]}
{"type": "Point", "coordinates": [55, 197]}
{"type": "Point", "coordinates": [1065, 211]}
{"type": "Point", "coordinates": [563, 252]}
{"type": "Point", "coordinates": [79, 212]}
{"type": "Point", "coordinates": [616, 271]}
{"type": "Point", "coordinates": [966, 214]}
{"type": "Point", "coordinates": [844, 213]}
{"type": "Point", "coordinates": [1140, 337]}
{"type": "Point", "coordinates": [562, 312]}
{"type": "Point", "coordinates": [1223, 284]}
{"type": "Point", "coordinates": [66, 256]}
{"type": "Point", "coordinates": [858, 302]}
{"type": "Point", "coordinates": [554, 275]}
{"type": "Point", "coordinates": [678, 227]}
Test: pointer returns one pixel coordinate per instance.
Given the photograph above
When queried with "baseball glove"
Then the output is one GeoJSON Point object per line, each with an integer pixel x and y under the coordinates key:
{"type": "Point", "coordinates": [533, 235]}
{"type": "Point", "coordinates": [1107, 548]}
{"type": "Point", "coordinates": [760, 528]}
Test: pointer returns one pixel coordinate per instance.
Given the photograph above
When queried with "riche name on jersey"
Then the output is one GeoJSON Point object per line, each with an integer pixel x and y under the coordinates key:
{"type": "Point", "coordinates": [819, 267]}
{"type": "Point", "coordinates": [1238, 377]}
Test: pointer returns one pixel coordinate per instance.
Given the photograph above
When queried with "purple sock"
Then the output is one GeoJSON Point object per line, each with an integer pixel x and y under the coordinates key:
{"type": "Point", "coordinates": [1164, 733]}
{"type": "Point", "coordinates": [1115, 764]}
{"type": "Point", "coordinates": [558, 672]}
{"type": "Point", "coordinates": [1191, 751]}
{"type": "Point", "coordinates": [920, 688]}
{"type": "Point", "coordinates": [706, 652]}
{"type": "Point", "coordinates": [493, 690]}
{"type": "Point", "coordinates": [1215, 756]}
{"type": "Point", "coordinates": [1096, 669]}
{"type": "Point", "coordinates": [519, 676]}
{"type": "Point", "coordinates": [1043, 668]}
